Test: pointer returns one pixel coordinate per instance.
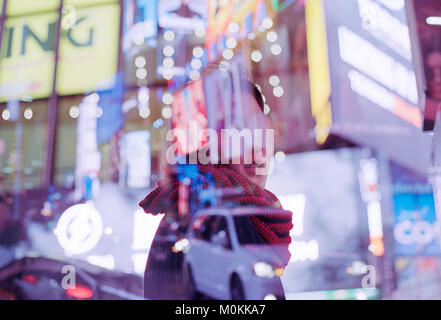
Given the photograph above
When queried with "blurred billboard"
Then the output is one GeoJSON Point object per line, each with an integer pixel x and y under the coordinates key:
{"type": "Point", "coordinates": [363, 82]}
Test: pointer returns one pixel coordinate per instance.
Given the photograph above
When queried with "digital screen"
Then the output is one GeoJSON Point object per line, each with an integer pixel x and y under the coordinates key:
{"type": "Point", "coordinates": [190, 118]}
{"type": "Point", "coordinates": [374, 95]}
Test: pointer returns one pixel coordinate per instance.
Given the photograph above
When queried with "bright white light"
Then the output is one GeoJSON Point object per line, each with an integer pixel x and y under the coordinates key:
{"type": "Point", "coordinates": [74, 112]}
{"type": "Point", "coordinates": [276, 49]}
{"type": "Point", "coordinates": [270, 297]}
{"type": "Point", "coordinates": [274, 80]}
{"type": "Point", "coordinates": [434, 21]}
{"type": "Point", "coordinates": [233, 27]}
{"type": "Point", "coordinates": [6, 114]}
{"type": "Point", "coordinates": [144, 229]}
{"type": "Point", "coordinates": [144, 112]}
{"type": "Point", "coordinates": [168, 51]}
{"type": "Point", "coordinates": [198, 52]}
{"type": "Point", "coordinates": [271, 36]}
{"type": "Point", "coordinates": [228, 54]}
{"type": "Point", "coordinates": [168, 62]}
{"type": "Point", "coordinates": [168, 74]}
{"type": "Point", "coordinates": [196, 64]}
{"type": "Point", "coordinates": [231, 43]}
{"type": "Point", "coordinates": [199, 32]}
{"type": "Point", "coordinates": [107, 261]}
{"type": "Point", "coordinates": [194, 75]}
{"type": "Point", "coordinates": [138, 40]}
{"type": "Point", "coordinates": [280, 156]}
{"type": "Point", "coordinates": [108, 231]}
{"type": "Point", "coordinates": [28, 114]}
{"type": "Point", "coordinates": [251, 36]}
{"type": "Point", "coordinates": [139, 261]}
{"type": "Point", "coordinates": [79, 228]}
{"type": "Point", "coordinates": [167, 98]}
{"type": "Point", "coordinates": [93, 98]}
{"type": "Point", "coordinates": [263, 270]}
{"type": "Point", "coordinates": [302, 250]}
{"type": "Point", "coordinates": [167, 112]}
{"type": "Point", "coordinates": [278, 91]}
{"type": "Point", "coordinates": [143, 95]}
{"type": "Point", "coordinates": [99, 112]}
{"type": "Point", "coordinates": [169, 35]}
{"type": "Point", "coordinates": [256, 56]}
{"type": "Point", "coordinates": [140, 62]}
{"type": "Point", "coordinates": [182, 245]}
{"type": "Point", "coordinates": [141, 73]}
{"type": "Point", "coordinates": [267, 23]}
{"type": "Point", "coordinates": [266, 109]}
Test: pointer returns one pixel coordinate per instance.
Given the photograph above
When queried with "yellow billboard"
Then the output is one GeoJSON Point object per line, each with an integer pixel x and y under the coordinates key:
{"type": "Point", "coordinates": [27, 59]}
{"type": "Point", "coordinates": [89, 51]}
{"type": "Point", "coordinates": [22, 7]}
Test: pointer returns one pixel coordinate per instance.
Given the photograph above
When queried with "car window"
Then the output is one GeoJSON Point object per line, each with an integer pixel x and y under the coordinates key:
{"type": "Point", "coordinates": [221, 225]}
{"type": "Point", "coordinates": [246, 231]}
{"type": "Point", "coordinates": [202, 227]}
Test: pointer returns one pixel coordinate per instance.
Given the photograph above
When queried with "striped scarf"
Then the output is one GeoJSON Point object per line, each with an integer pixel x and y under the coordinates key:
{"type": "Point", "coordinates": [273, 226]}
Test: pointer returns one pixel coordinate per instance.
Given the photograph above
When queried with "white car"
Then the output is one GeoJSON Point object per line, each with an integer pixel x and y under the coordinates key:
{"type": "Point", "coordinates": [227, 259]}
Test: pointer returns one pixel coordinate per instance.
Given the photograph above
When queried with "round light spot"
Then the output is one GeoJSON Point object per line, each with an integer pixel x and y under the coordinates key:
{"type": "Point", "coordinates": [168, 51]}
{"type": "Point", "coordinates": [233, 27]}
{"type": "Point", "coordinates": [140, 62]}
{"type": "Point", "coordinates": [99, 112]}
{"type": "Point", "coordinates": [196, 64]}
{"type": "Point", "coordinates": [256, 56]}
{"type": "Point", "coordinates": [167, 98]}
{"type": "Point", "coordinates": [138, 40]}
{"type": "Point", "coordinates": [231, 43]}
{"type": "Point", "coordinates": [6, 114]}
{"type": "Point", "coordinates": [194, 75]}
{"type": "Point", "coordinates": [28, 114]}
{"type": "Point", "coordinates": [168, 62]}
{"type": "Point", "coordinates": [169, 35]}
{"type": "Point", "coordinates": [74, 112]}
{"type": "Point", "coordinates": [198, 52]}
{"type": "Point", "coordinates": [274, 80]}
{"type": "Point", "coordinates": [267, 23]}
{"type": "Point", "coordinates": [144, 112]}
{"type": "Point", "coordinates": [200, 32]}
{"type": "Point", "coordinates": [271, 36]}
{"type": "Point", "coordinates": [276, 49]}
{"type": "Point", "coordinates": [280, 156]}
{"type": "Point", "coordinates": [278, 91]}
{"type": "Point", "coordinates": [141, 73]}
{"type": "Point", "coordinates": [167, 112]}
{"type": "Point", "coordinates": [251, 36]}
{"type": "Point", "coordinates": [168, 74]}
{"type": "Point", "coordinates": [228, 54]}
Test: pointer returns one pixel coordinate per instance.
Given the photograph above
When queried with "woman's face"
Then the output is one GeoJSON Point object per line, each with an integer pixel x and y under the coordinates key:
{"type": "Point", "coordinates": [255, 161]}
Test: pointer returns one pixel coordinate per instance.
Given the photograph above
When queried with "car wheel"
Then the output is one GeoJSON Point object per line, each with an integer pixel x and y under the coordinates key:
{"type": "Point", "coordinates": [192, 291]}
{"type": "Point", "coordinates": [236, 290]}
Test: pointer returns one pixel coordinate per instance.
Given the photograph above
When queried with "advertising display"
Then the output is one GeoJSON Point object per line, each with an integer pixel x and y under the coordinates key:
{"type": "Point", "coordinates": [190, 118]}
{"type": "Point", "coordinates": [219, 18]}
{"type": "Point", "coordinates": [88, 53]}
{"type": "Point", "coordinates": [372, 84]}
{"type": "Point", "coordinates": [330, 230]}
{"type": "Point", "coordinates": [415, 230]}
{"type": "Point", "coordinates": [27, 64]}
{"type": "Point", "coordinates": [428, 32]}
{"type": "Point", "coordinates": [182, 15]}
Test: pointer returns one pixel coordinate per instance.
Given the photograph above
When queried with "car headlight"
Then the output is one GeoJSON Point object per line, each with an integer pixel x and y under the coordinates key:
{"type": "Point", "coordinates": [263, 269]}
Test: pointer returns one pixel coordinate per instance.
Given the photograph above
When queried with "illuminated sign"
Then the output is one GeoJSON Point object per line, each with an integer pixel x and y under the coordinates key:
{"type": "Point", "coordinates": [182, 15]}
{"type": "Point", "coordinates": [79, 229]}
{"type": "Point", "coordinates": [88, 53]}
{"type": "Point", "coordinates": [219, 17]}
{"type": "Point", "coordinates": [363, 81]}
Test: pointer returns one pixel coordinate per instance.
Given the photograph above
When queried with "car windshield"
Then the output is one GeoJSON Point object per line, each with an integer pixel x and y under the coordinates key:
{"type": "Point", "coordinates": [246, 232]}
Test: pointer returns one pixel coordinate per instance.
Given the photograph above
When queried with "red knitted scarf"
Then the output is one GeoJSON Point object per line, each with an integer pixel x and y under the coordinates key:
{"type": "Point", "coordinates": [273, 226]}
